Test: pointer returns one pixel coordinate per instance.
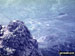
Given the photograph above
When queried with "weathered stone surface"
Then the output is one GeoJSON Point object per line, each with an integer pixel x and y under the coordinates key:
{"type": "Point", "coordinates": [17, 41]}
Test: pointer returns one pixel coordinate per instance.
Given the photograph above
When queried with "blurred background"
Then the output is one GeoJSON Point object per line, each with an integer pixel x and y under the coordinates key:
{"type": "Point", "coordinates": [51, 22]}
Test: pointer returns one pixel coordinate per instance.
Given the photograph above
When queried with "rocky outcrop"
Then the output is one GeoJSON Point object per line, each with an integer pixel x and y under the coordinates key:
{"type": "Point", "coordinates": [16, 40]}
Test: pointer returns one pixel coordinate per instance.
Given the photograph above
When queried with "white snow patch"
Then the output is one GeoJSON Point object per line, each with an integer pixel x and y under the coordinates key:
{"type": "Point", "coordinates": [14, 20]}
{"type": "Point", "coordinates": [9, 50]}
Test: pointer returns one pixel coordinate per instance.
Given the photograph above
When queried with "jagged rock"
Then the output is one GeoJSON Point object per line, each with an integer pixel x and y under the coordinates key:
{"type": "Point", "coordinates": [1, 32]}
{"type": "Point", "coordinates": [17, 41]}
{"type": "Point", "coordinates": [0, 27]}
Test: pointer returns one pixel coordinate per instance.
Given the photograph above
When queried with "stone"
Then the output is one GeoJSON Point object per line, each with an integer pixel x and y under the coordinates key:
{"type": "Point", "coordinates": [19, 41]}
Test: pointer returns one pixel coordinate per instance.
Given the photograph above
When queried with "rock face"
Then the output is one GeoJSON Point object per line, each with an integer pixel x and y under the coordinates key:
{"type": "Point", "coordinates": [16, 40]}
